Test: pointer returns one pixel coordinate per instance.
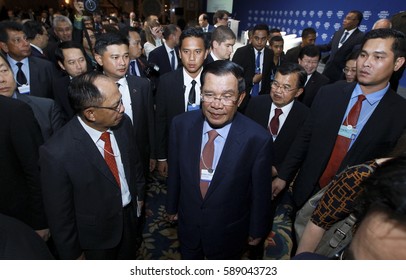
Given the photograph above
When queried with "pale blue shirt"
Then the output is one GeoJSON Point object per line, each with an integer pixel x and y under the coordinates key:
{"type": "Point", "coordinates": [25, 68]}
{"type": "Point", "coordinates": [368, 106]}
{"type": "Point", "coordinates": [218, 142]}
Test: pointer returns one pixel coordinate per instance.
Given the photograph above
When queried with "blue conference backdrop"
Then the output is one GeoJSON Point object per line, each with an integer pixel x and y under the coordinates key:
{"type": "Point", "coordinates": [326, 17]}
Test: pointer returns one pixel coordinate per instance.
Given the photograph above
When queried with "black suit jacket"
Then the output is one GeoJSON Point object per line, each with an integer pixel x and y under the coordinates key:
{"type": "Point", "coordinates": [20, 188]}
{"type": "Point", "coordinates": [336, 62]}
{"type": "Point", "coordinates": [316, 81]}
{"type": "Point", "coordinates": [312, 147]}
{"type": "Point", "coordinates": [245, 57]}
{"type": "Point", "coordinates": [143, 117]}
{"type": "Point", "coordinates": [42, 72]}
{"type": "Point", "coordinates": [238, 200]}
{"type": "Point", "coordinates": [292, 55]}
{"type": "Point", "coordinates": [60, 91]}
{"type": "Point", "coordinates": [160, 57]}
{"type": "Point", "coordinates": [170, 102]}
{"type": "Point", "coordinates": [37, 53]}
{"type": "Point", "coordinates": [47, 113]}
{"type": "Point", "coordinates": [259, 109]}
{"type": "Point", "coordinates": [19, 242]}
{"type": "Point", "coordinates": [81, 196]}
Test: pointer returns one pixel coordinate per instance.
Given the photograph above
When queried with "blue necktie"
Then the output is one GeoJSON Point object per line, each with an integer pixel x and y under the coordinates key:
{"type": "Point", "coordinates": [255, 88]}
{"type": "Point", "coordinates": [173, 59]}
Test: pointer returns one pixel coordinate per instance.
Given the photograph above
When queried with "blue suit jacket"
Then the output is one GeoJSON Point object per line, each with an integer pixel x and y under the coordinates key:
{"type": "Point", "coordinates": [237, 204]}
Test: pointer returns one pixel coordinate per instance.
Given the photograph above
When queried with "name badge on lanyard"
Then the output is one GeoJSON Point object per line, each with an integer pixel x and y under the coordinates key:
{"type": "Point", "coordinates": [348, 131]}
{"type": "Point", "coordinates": [24, 89]}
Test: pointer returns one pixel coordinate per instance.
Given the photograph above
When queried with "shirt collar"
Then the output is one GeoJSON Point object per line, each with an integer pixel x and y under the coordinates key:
{"type": "Point", "coordinates": [373, 97]}
{"type": "Point", "coordinates": [93, 133]}
{"type": "Point", "coordinates": [223, 131]}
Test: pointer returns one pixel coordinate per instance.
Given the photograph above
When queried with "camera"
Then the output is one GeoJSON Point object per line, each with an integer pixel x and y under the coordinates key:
{"type": "Point", "coordinates": [91, 5]}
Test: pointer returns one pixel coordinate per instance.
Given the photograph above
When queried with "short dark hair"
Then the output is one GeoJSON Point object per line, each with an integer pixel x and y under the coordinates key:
{"type": "Point", "coordinates": [125, 31]}
{"type": "Point", "coordinates": [310, 51]}
{"type": "Point", "coordinates": [221, 34]}
{"type": "Point", "coordinates": [261, 27]}
{"type": "Point", "coordinates": [9, 26]}
{"type": "Point", "coordinates": [204, 16]}
{"type": "Point", "coordinates": [224, 67]}
{"type": "Point", "coordinates": [294, 68]}
{"type": "Point", "coordinates": [276, 39]}
{"type": "Point", "coordinates": [83, 93]}
{"type": "Point", "coordinates": [359, 15]}
{"type": "Point", "coordinates": [32, 28]}
{"type": "Point", "coordinates": [169, 30]}
{"type": "Point", "coordinates": [352, 55]}
{"type": "Point", "coordinates": [308, 31]}
{"type": "Point", "coordinates": [108, 39]}
{"type": "Point", "coordinates": [274, 30]}
{"type": "Point", "coordinates": [67, 45]}
{"type": "Point", "coordinates": [193, 32]}
{"type": "Point", "coordinates": [399, 42]}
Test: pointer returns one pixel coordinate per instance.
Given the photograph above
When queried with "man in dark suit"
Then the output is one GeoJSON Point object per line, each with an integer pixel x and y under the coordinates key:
{"type": "Point", "coordinates": [71, 58]}
{"type": "Point", "coordinates": [38, 37]}
{"type": "Point", "coordinates": [166, 57]}
{"type": "Point", "coordinates": [257, 62]}
{"type": "Point", "coordinates": [20, 187]}
{"type": "Point", "coordinates": [112, 54]}
{"type": "Point", "coordinates": [45, 110]}
{"type": "Point", "coordinates": [179, 91]}
{"type": "Point", "coordinates": [286, 88]}
{"type": "Point", "coordinates": [204, 23]}
{"type": "Point", "coordinates": [221, 45]}
{"type": "Point", "coordinates": [92, 175]}
{"type": "Point", "coordinates": [309, 58]}
{"type": "Point", "coordinates": [282, 116]}
{"type": "Point", "coordinates": [219, 163]}
{"type": "Point", "coordinates": [138, 62]}
{"type": "Point", "coordinates": [36, 74]}
{"type": "Point", "coordinates": [308, 38]}
{"type": "Point", "coordinates": [333, 136]}
{"type": "Point", "coordinates": [341, 45]}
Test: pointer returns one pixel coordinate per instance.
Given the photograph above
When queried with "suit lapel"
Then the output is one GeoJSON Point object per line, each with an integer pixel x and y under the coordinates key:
{"type": "Point", "coordinates": [124, 151]}
{"type": "Point", "coordinates": [178, 91]}
{"type": "Point", "coordinates": [86, 146]}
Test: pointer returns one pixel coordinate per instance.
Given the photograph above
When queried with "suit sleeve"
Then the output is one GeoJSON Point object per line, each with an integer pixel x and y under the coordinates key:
{"type": "Point", "coordinates": [57, 120]}
{"type": "Point", "coordinates": [261, 192]}
{"type": "Point", "coordinates": [59, 205]}
{"type": "Point", "coordinates": [174, 171]}
{"type": "Point", "coordinates": [161, 131]}
{"type": "Point", "coordinates": [26, 138]}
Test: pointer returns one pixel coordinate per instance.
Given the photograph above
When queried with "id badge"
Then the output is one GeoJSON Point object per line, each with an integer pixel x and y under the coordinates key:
{"type": "Point", "coordinates": [206, 176]}
{"type": "Point", "coordinates": [347, 131]}
{"type": "Point", "coordinates": [24, 89]}
{"type": "Point", "coordinates": [192, 107]}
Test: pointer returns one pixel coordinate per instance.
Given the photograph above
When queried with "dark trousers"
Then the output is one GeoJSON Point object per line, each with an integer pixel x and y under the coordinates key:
{"type": "Point", "coordinates": [127, 248]}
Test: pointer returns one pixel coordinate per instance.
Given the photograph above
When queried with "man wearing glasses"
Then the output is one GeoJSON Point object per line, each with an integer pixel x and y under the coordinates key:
{"type": "Point", "coordinates": [92, 175]}
{"type": "Point", "coordinates": [219, 163]}
{"type": "Point", "coordinates": [221, 18]}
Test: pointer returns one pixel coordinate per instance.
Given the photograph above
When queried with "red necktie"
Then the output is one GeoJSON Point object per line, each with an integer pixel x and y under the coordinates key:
{"type": "Point", "coordinates": [274, 123]}
{"type": "Point", "coordinates": [109, 156]}
{"type": "Point", "coordinates": [341, 146]}
{"type": "Point", "coordinates": [206, 160]}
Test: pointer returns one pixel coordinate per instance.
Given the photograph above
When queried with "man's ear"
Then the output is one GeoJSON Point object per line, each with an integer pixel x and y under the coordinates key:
{"type": "Point", "coordinates": [4, 47]}
{"type": "Point", "coordinates": [399, 62]}
{"type": "Point", "coordinates": [61, 65]}
{"type": "Point", "coordinates": [98, 59]}
{"type": "Point", "coordinates": [241, 98]}
{"type": "Point", "coordinates": [299, 92]}
{"type": "Point", "coordinates": [89, 114]}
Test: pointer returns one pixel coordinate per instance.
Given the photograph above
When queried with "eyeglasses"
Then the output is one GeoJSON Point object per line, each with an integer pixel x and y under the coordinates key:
{"type": "Point", "coordinates": [115, 108]}
{"type": "Point", "coordinates": [226, 100]}
{"type": "Point", "coordinates": [348, 70]}
{"type": "Point", "coordinates": [284, 88]}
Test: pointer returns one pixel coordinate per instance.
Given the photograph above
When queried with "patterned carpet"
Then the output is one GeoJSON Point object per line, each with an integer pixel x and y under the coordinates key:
{"type": "Point", "coordinates": [160, 236]}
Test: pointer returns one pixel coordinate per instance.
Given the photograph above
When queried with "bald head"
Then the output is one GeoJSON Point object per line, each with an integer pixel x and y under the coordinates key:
{"type": "Point", "coordinates": [382, 23]}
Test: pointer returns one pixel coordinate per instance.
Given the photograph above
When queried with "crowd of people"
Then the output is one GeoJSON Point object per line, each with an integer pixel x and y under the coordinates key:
{"type": "Point", "coordinates": [93, 106]}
